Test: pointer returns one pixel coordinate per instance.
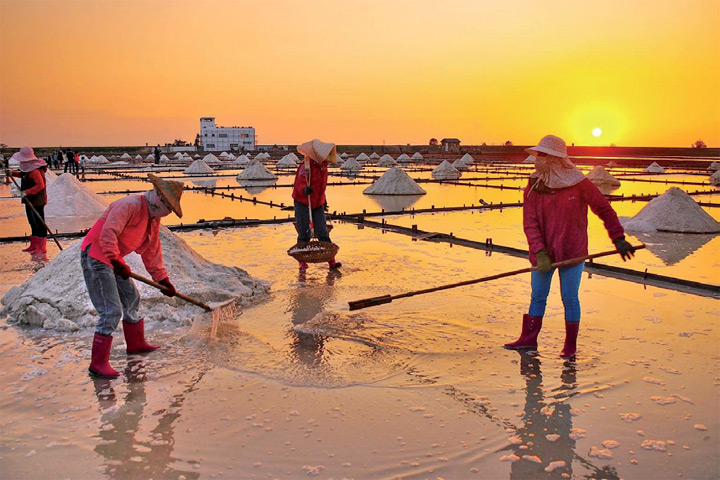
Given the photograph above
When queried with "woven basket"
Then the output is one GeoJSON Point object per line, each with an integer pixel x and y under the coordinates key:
{"type": "Point", "coordinates": [313, 251]}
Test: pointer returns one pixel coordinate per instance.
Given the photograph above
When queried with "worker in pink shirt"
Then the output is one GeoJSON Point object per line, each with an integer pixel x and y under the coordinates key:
{"type": "Point", "coordinates": [131, 224]}
{"type": "Point", "coordinates": [34, 196]}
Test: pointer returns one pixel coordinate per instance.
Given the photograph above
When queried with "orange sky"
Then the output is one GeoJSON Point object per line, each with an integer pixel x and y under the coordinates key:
{"type": "Point", "coordinates": [103, 72]}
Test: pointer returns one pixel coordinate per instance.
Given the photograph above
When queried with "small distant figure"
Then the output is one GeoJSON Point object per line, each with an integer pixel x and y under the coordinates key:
{"type": "Point", "coordinates": [83, 160]}
{"type": "Point", "coordinates": [69, 161]}
{"type": "Point", "coordinates": [6, 168]}
{"type": "Point", "coordinates": [157, 155]}
{"type": "Point", "coordinates": [555, 206]}
{"type": "Point", "coordinates": [34, 196]}
{"type": "Point", "coordinates": [76, 163]}
{"type": "Point", "coordinates": [58, 159]}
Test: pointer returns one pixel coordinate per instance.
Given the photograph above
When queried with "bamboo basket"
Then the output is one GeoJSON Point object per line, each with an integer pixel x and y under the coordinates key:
{"type": "Point", "coordinates": [313, 251]}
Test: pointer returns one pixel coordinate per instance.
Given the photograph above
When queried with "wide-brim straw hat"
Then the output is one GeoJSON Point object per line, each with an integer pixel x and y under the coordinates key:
{"type": "Point", "coordinates": [319, 151]}
{"type": "Point", "coordinates": [170, 190]}
{"type": "Point", "coordinates": [27, 159]}
{"type": "Point", "coordinates": [551, 145]}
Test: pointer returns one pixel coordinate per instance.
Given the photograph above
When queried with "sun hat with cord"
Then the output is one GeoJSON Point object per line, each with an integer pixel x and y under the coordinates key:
{"type": "Point", "coordinates": [170, 191]}
{"type": "Point", "coordinates": [554, 170]}
{"type": "Point", "coordinates": [319, 151]}
{"type": "Point", "coordinates": [28, 160]}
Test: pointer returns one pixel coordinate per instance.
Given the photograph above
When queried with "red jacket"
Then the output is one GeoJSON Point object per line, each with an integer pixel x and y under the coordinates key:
{"type": "Point", "coordinates": [318, 183]}
{"type": "Point", "coordinates": [557, 220]}
{"type": "Point", "coordinates": [126, 226]}
{"type": "Point", "coordinates": [32, 184]}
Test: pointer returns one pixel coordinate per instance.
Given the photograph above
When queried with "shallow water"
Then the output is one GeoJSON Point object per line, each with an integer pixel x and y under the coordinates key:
{"type": "Point", "coordinates": [299, 386]}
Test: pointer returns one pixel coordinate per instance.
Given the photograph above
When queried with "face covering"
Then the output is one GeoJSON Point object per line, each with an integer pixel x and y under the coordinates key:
{"type": "Point", "coordinates": [155, 205]}
{"type": "Point", "coordinates": [556, 172]}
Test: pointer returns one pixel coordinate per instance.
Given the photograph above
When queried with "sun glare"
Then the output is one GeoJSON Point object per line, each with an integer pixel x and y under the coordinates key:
{"type": "Point", "coordinates": [596, 132]}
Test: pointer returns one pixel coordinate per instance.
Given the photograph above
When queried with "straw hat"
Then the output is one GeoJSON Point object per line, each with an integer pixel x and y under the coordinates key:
{"type": "Point", "coordinates": [551, 145]}
{"type": "Point", "coordinates": [28, 160]}
{"type": "Point", "coordinates": [170, 190]}
{"type": "Point", "coordinates": [319, 151]}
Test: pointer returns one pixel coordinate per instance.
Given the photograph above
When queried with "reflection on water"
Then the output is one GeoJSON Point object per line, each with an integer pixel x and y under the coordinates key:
{"type": "Point", "coordinates": [672, 248]}
{"type": "Point", "coordinates": [256, 186]}
{"type": "Point", "coordinates": [395, 203]}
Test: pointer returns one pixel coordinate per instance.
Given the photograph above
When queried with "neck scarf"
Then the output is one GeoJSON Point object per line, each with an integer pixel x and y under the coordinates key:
{"type": "Point", "coordinates": [155, 205]}
{"type": "Point", "coordinates": [556, 172]}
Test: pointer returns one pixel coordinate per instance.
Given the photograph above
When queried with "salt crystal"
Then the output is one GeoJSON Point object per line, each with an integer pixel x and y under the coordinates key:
{"type": "Point", "coordinates": [445, 171]}
{"type": "Point", "coordinates": [576, 433]}
{"type": "Point", "coordinates": [532, 458]}
{"type": "Point", "coordinates": [662, 400]}
{"type": "Point", "coordinates": [509, 458]}
{"type": "Point", "coordinates": [552, 437]}
{"type": "Point", "coordinates": [554, 465]}
{"type": "Point", "coordinates": [68, 197]}
{"type": "Point", "coordinates": [699, 426]}
{"type": "Point", "coordinates": [256, 171]}
{"type": "Point", "coordinates": [313, 471]}
{"type": "Point", "coordinates": [656, 381]}
{"type": "Point", "coordinates": [658, 445]}
{"type": "Point", "coordinates": [600, 452]}
{"type": "Point", "coordinates": [610, 444]}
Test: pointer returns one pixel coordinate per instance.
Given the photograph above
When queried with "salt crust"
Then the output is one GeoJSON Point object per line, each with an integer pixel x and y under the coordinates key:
{"type": "Point", "coordinates": [600, 176]}
{"type": "Point", "coordinates": [256, 171]}
{"type": "Point", "coordinates": [673, 211]}
{"type": "Point", "coordinates": [445, 171]}
{"type": "Point", "coordinates": [56, 297]}
{"type": "Point", "coordinates": [67, 197]}
{"type": "Point", "coordinates": [394, 182]}
{"type": "Point", "coordinates": [199, 167]}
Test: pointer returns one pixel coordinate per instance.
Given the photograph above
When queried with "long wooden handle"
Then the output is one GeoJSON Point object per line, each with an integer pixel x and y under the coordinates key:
{"type": "Point", "coordinates": [179, 295]}
{"type": "Point", "coordinates": [38, 216]}
{"type": "Point", "coordinates": [371, 302]}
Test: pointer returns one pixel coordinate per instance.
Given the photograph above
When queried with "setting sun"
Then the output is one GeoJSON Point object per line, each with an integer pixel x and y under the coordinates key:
{"type": "Point", "coordinates": [596, 132]}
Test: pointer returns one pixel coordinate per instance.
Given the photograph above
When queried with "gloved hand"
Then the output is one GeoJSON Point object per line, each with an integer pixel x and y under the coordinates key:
{"type": "Point", "coordinates": [626, 250]}
{"type": "Point", "coordinates": [23, 197]}
{"type": "Point", "coordinates": [307, 190]}
{"type": "Point", "coordinates": [543, 261]}
{"type": "Point", "coordinates": [169, 287]}
{"type": "Point", "coordinates": [121, 268]}
{"type": "Point", "coordinates": [326, 208]}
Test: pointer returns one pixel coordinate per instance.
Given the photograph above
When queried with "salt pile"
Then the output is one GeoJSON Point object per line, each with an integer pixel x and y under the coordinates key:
{"type": "Point", "coordinates": [460, 164]}
{"type": "Point", "coordinates": [138, 157]}
{"type": "Point", "coordinates": [197, 155]}
{"type": "Point", "coordinates": [374, 156]}
{"type": "Point", "coordinates": [600, 176]}
{"type": "Point", "coordinates": [241, 160]}
{"type": "Point", "coordinates": [529, 159]}
{"type": "Point", "coordinates": [178, 155]}
{"type": "Point", "coordinates": [198, 167]}
{"type": "Point", "coordinates": [99, 160]}
{"type": "Point", "coordinates": [344, 155]}
{"type": "Point", "coordinates": [125, 156]}
{"type": "Point", "coordinates": [256, 171]}
{"type": "Point", "coordinates": [286, 162]}
{"type": "Point", "coordinates": [223, 155]}
{"type": "Point", "coordinates": [417, 156]}
{"type": "Point", "coordinates": [403, 158]}
{"type": "Point", "coordinates": [673, 211]}
{"type": "Point", "coordinates": [714, 166]}
{"type": "Point", "coordinates": [445, 171]}
{"type": "Point", "coordinates": [386, 161]}
{"type": "Point", "coordinates": [164, 158]}
{"type": "Point", "coordinates": [351, 165]}
{"type": "Point", "coordinates": [654, 168]}
{"type": "Point", "coordinates": [230, 157]}
{"type": "Point", "coordinates": [394, 182]}
{"type": "Point", "coordinates": [67, 197]}
{"type": "Point", "coordinates": [56, 297]}
{"type": "Point", "coordinates": [211, 159]}
{"type": "Point", "coordinates": [150, 158]}
{"type": "Point", "coordinates": [715, 178]}
{"type": "Point", "coordinates": [467, 159]}
{"type": "Point", "coordinates": [611, 164]}
{"type": "Point", "coordinates": [49, 179]}
{"type": "Point", "coordinates": [362, 158]}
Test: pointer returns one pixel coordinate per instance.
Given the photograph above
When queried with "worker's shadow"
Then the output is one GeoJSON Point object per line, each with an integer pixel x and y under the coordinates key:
{"type": "Point", "coordinates": [306, 302]}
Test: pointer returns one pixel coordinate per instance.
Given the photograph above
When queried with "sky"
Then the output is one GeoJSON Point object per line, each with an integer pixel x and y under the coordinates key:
{"type": "Point", "coordinates": [109, 73]}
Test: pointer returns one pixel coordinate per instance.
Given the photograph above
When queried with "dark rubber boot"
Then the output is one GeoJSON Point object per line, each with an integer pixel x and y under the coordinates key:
{"type": "Point", "coordinates": [33, 245]}
{"type": "Point", "coordinates": [571, 334]}
{"type": "Point", "coordinates": [334, 264]}
{"type": "Point", "coordinates": [135, 338]}
{"type": "Point", "coordinates": [528, 337]}
{"type": "Point", "coordinates": [100, 359]}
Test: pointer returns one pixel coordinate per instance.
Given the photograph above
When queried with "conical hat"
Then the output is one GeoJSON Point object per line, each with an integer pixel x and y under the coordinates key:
{"type": "Point", "coordinates": [170, 190]}
{"type": "Point", "coordinates": [319, 151]}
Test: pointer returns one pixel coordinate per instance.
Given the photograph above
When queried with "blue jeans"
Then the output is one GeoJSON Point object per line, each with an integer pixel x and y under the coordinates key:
{"type": "Point", "coordinates": [569, 286]}
{"type": "Point", "coordinates": [302, 219]}
{"type": "Point", "coordinates": [113, 297]}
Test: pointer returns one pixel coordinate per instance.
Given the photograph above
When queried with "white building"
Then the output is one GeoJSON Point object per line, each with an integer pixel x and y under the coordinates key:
{"type": "Point", "coordinates": [220, 139]}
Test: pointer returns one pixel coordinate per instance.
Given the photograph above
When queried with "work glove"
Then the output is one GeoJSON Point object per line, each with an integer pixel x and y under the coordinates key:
{"type": "Point", "coordinates": [624, 248]}
{"type": "Point", "coordinates": [169, 290]}
{"type": "Point", "coordinates": [326, 208]}
{"type": "Point", "coordinates": [23, 197]}
{"type": "Point", "coordinates": [543, 261]}
{"type": "Point", "coordinates": [307, 190]}
{"type": "Point", "coordinates": [121, 268]}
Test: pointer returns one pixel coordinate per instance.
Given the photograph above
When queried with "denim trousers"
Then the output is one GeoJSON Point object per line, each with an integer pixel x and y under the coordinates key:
{"type": "Point", "coordinates": [569, 286]}
{"type": "Point", "coordinates": [302, 219]}
{"type": "Point", "coordinates": [113, 297]}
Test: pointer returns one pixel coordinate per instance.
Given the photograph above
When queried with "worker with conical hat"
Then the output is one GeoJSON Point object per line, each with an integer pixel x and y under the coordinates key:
{"type": "Point", "coordinates": [555, 221]}
{"type": "Point", "coordinates": [131, 224]}
{"type": "Point", "coordinates": [34, 195]}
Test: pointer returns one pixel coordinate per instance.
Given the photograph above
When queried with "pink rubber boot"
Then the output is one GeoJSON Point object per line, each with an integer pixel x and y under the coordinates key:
{"type": "Point", "coordinates": [528, 337]}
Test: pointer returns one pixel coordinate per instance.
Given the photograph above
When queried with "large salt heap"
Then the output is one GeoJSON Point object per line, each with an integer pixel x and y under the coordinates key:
{"type": "Point", "coordinates": [445, 171]}
{"type": "Point", "coordinates": [600, 176]}
{"type": "Point", "coordinates": [67, 197]}
{"type": "Point", "coordinates": [467, 159]}
{"type": "Point", "coordinates": [386, 161]}
{"type": "Point", "coordinates": [654, 168]}
{"type": "Point", "coordinates": [403, 158]}
{"type": "Point", "coordinates": [394, 182]}
{"type": "Point", "coordinates": [374, 156]}
{"type": "Point", "coordinates": [362, 158]}
{"type": "Point", "coordinates": [241, 160]}
{"type": "Point", "coordinates": [256, 171]}
{"type": "Point", "coordinates": [56, 297]}
{"type": "Point", "coordinates": [286, 162]}
{"type": "Point", "coordinates": [460, 164]}
{"type": "Point", "coordinates": [198, 167]}
{"type": "Point", "coordinates": [211, 159]}
{"type": "Point", "coordinates": [673, 211]}
{"type": "Point", "coordinates": [417, 156]}
{"type": "Point", "coordinates": [351, 165]}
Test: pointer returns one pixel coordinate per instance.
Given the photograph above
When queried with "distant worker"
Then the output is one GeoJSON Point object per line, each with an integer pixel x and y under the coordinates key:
{"type": "Point", "coordinates": [555, 221]}
{"type": "Point", "coordinates": [130, 224]}
{"type": "Point", "coordinates": [157, 155]}
{"type": "Point", "coordinates": [69, 161]}
{"type": "Point", "coordinates": [309, 192]}
{"type": "Point", "coordinates": [34, 196]}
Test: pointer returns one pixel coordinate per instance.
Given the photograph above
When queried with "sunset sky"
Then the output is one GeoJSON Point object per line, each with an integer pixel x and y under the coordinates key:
{"type": "Point", "coordinates": [102, 72]}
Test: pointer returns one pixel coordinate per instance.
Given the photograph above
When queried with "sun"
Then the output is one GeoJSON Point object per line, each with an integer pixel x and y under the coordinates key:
{"type": "Point", "coordinates": [596, 132]}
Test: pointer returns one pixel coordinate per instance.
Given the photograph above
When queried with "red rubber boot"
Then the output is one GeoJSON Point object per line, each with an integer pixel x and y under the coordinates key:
{"type": "Point", "coordinates": [571, 334]}
{"type": "Point", "coordinates": [334, 264]}
{"type": "Point", "coordinates": [99, 361]}
{"type": "Point", "coordinates": [528, 337]}
{"type": "Point", "coordinates": [40, 252]}
{"type": "Point", "coordinates": [33, 245]}
{"type": "Point", "coordinates": [135, 338]}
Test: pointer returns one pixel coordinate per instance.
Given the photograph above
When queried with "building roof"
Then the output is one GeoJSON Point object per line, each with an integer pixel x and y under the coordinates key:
{"type": "Point", "coordinates": [450, 140]}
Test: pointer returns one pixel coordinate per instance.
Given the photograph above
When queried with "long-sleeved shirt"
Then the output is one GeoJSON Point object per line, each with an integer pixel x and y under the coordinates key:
{"type": "Point", "coordinates": [32, 184]}
{"type": "Point", "coordinates": [318, 183]}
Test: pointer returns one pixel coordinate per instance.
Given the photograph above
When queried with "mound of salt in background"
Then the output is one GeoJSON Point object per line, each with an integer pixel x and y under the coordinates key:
{"type": "Point", "coordinates": [67, 197]}
{"type": "Point", "coordinates": [256, 171]}
{"type": "Point", "coordinates": [56, 297]}
{"type": "Point", "coordinates": [198, 167]}
{"type": "Point", "coordinates": [445, 171]}
{"type": "Point", "coordinates": [673, 211]}
{"type": "Point", "coordinates": [600, 176]}
{"type": "Point", "coordinates": [394, 182]}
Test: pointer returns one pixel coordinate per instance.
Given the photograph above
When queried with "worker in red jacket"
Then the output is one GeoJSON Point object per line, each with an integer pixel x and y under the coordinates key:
{"type": "Point", "coordinates": [34, 196]}
{"type": "Point", "coordinates": [309, 192]}
{"type": "Point", "coordinates": [555, 221]}
{"type": "Point", "coordinates": [131, 224]}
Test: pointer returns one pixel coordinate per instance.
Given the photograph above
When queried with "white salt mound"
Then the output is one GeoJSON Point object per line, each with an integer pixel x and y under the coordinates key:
{"type": "Point", "coordinates": [178, 155]}
{"type": "Point", "coordinates": [351, 165]}
{"type": "Point", "coordinates": [600, 176]}
{"type": "Point", "coordinates": [417, 156]}
{"type": "Point", "coordinates": [286, 162]}
{"type": "Point", "coordinates": [344, 155]}
{"type": "Point", "coordinates": [445, 171]}
{"type": "Point", "coordinates": [211, 159]}
{"type": "Point", "coordinates": [673, 211]}
{"type": "Point", "coordinates": [467, 159]}
{"type": "Point", "coordinates": [460, 164]}
{"type": "Point", "coordinates": [654, 168]}
{"type": "Point", "coordinates": [386, 161]}
{"type": "Point", "coordinates": [714, 167]}
{"type": "Point", "coordinates": [529, 159]}
{"type": "Point", "coordinates": [56, 297]}
{"type": "Point", "coordinates": [198, 167]}
{"type": "Point", "coordinates": [403, 158]}
{"type": "Point", "coordinates": [374, 155]}
{"type": "Point", "coordinates": [241, 160]}
{"type": "Point", "coordinates": [125, 156]}
{"type": "Point", "coordinates": [394, 182]}
{"type": "Point", "coordinates": [256, 171]}
{"type": "Point", "coordinates": [715, 178]}
{"type": "Point", "coordinates": [67, 197]}
{"type": "Point", "coordinates": [362, 157]}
